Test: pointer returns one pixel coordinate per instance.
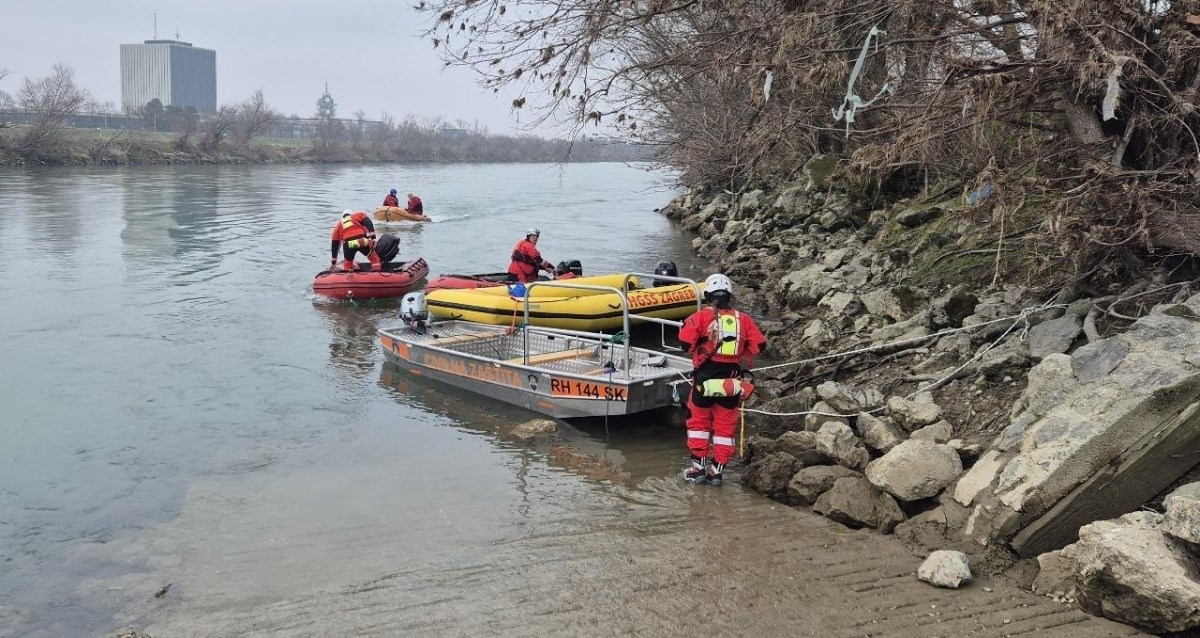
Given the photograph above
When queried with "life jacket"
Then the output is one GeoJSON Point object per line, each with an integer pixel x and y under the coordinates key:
{"type": "Point", "coordinates": [520, 257]}
{"type": "Point", "coordinates": [725, 333]}
{"type": "Point", "coordinates": [352, 228]}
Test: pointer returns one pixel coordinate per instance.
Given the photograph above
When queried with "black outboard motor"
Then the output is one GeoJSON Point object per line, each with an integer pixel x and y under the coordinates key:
{"type": "Point", "coordinates": [386, 246]}
{"type": "Point", "coordinates": [573, 267]}
{"type": "Point", "coordinates": [666, 268]}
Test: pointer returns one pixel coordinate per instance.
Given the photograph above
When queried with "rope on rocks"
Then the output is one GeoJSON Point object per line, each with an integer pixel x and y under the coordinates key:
{"type": "Point", "coordinates": [1021, 318]}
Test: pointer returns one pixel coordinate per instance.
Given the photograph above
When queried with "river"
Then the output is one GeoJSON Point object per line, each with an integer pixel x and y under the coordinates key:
{"type": "Point", "coordinates": [192, 445]}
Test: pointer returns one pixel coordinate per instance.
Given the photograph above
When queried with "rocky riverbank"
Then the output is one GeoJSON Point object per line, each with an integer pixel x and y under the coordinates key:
{"type": "Point", "coordinates": [933, 395]}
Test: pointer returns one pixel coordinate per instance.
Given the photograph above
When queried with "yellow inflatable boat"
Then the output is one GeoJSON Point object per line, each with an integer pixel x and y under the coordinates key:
{"type": "Point", "coordinates": [552, 307]}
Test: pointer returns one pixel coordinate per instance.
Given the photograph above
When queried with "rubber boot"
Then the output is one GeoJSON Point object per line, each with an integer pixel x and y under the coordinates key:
{"type": "Point", "coordinates": [713, 475]}
{"type": "Point", "coordinates": [695, 473]}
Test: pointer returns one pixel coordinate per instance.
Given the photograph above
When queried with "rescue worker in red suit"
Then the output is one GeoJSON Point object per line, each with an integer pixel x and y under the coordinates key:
{"type": "Point", "coordinates": [526, 260]}
{"type": "Point", "coordinates": [353, 233]}
{"type": "Point", "coordinates": [391, 199]}
{"type": "Point", "coordinates": [723, 343]}
{"type": "Point", "coordinates": [414, 205]}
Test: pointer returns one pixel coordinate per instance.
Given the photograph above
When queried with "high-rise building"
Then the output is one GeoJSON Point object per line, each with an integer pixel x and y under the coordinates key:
{"type": "Point", "coordinates": [175, 72]}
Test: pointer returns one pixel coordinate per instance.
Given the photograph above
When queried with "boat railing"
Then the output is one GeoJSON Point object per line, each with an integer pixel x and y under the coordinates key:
{"type": "Point", "coordinates": [663, 323]}
{"type": "Point", "coordinates": [625, 314]}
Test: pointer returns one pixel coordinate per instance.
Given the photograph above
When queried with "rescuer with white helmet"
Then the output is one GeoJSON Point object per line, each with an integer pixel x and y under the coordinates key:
{"type": "Point", "coordinates": [723, 343]}
{"type": "Point", "coordinates": [526, 260]}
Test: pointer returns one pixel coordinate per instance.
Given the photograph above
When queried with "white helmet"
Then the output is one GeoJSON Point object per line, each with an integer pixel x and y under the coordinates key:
{"type": "Point", "coordinates": [533, 231]}
{"type": "Point", "coordinates": [347, 212]}
{"type": "Point", "coordinates": [718, 283]}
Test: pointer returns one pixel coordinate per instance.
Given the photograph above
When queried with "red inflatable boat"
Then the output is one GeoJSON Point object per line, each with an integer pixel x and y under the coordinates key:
{"type": "Point", "coordinates": [394, 280]}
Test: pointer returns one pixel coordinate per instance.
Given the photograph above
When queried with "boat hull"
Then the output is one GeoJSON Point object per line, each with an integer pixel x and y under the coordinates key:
{"type": "Point", "coordinates": [393, 281]}
{"type": "Point", "coordinates": [558, 308]}
{"type": "Point", "coordinates": [547, 389]}
{"type": "Point", "coordinates": [397, 214]}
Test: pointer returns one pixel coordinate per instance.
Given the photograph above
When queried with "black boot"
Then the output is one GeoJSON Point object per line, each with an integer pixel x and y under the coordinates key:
{"type": "Point", "coordinates": [696, 473]}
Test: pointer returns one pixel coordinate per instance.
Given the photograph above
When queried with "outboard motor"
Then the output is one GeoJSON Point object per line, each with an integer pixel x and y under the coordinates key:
{"type": "Point", "coordinates": [413, 311]}
{"type": "Point", "coordinates": [666, 268]}
{"type": "Point", "coordinates": [568, 269]}
{"type": "Point", "coordinates": [386, 246]}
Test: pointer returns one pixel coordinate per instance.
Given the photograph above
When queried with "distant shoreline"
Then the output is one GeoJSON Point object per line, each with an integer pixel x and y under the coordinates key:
{"type": "Point", "coordinates": [122, 148]}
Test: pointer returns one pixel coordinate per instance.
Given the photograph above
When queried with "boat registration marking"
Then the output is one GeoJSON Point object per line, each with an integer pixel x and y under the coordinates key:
{"type": "Point", "coordinates": [572, 388]}
{"type": "Point", "coordinates": [644, 299]}
{"type": "Point", "coordinates": [471, 369]}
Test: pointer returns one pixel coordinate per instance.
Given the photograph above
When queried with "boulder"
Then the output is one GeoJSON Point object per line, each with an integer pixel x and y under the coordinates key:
{"type": "Point", "coordinates": [534, 428]}
{"type": "Point", "coordinates": [879, 434]}
{"type": "Point", "coordinates": [771, 474]}
{"type": "Point", "coordinates": [804, 287]}
{"type": "Point", "coordinates": [758, 447]}
{"type": "Point", "coordinates": [915, 470]}
{"type": "Point", "coordinates": [939, 432]}
{"type": "Point", "coordinates": [949, 310]}
{"type": "Point", "coordinates": [914, 414]}
{"type": "Point", "coordinates": [854, 502]}
{"type": "Point", "coordinates": [1049, 383]}
{"type": "Point", "coordinates": [771, 425]}
{"type": "Point", "coordinates": [910, 329]}
{"type": "Point", "coordinates": [813, 422]}
{"type": "Point", "coordinates": [839, 304]}
{"type": "Point", "coordinates": [1182, 519]}
{"type": "Point", "coordinates": [803, 446]}
{"type": "Point", "coordinates": [1104, 446]}
{"type": "Point", "coordinates": [848, 399]}
{"type": "Point", "coordinates": [978, 478]}
{"type": "Point", "coordinates": [810, 483]}
{"type": "Point", "coordinates": [945, 568]}
{"type": "Point", "coordinates": [837, 442]}
{"type": "Point", "coordinates": [1056, 576]}
{"type": "Point", "coordinates": [1054, 336]}
{"type": "Point", "coordinates": [1131, 572]}
{"type": "Point", "coordinates": [913, 217]}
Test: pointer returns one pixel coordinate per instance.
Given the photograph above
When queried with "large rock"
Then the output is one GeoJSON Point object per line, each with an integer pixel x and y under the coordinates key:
{"type": "Point", "coordinates": [803, 446]}
{"type": "Point", "coordinates": [978, 478]}
{"type": "Point", "coordinates": [939, 432]}
{"type": "Point", "coordinates": [810, 483]}
{"type": "Point", "coordinates": [913, 414]}
{"type": "Point", "coordinates": [915, 470]}
{"type": "Point", "coordinates": [1050, 382]}
{"type": "Point", "coordinates": [1102, 447]}
{"type": "Point", "coordinates": [1182, 519]}
{"type": "Point", "coordinates": [771, 474]}
{"type": "Point", "coordinates": [824, 413]}
{"type": "Point", "coordinates": [945, 568]}
{"type": "Point", "coordinates": [1131, 572]}
{"type": "Point", "coordinates": [1054, 336]}
{"type": "Point", "coordinates": [1056, 576]}
{"type": "Point", "coordinates": [950, 309]}
{"type": "Point", "coordinates": [534, 428]}
{"type": "Point", "coordinates": [848, 399]}
{"type": "Point", "coordinates": [806, 286]}
{"type": "Point", "coordinates": [837, 442]}
{"type": "Point", "coordinates": [856, 503]}
{"type": "Point", "coordinates": [880, 434]}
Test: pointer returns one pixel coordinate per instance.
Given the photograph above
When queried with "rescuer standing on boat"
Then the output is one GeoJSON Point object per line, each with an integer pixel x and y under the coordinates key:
{"type": "Point", "coordinates": [391, 199]}
{"type": "Point", "coordinates": [723, 343]}
{"type": "Point", "coordinates": [354, 233]}
{"type": "Point", "coordinates": [526, 260]}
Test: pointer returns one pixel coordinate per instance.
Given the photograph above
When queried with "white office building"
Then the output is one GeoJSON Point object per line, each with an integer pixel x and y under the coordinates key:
{"type": "Point", "coordinates": [175, 72]}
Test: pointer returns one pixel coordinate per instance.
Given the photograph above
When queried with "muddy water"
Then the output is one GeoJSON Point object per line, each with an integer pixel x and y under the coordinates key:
{"type": "Point", "coordinates": [192, 446]}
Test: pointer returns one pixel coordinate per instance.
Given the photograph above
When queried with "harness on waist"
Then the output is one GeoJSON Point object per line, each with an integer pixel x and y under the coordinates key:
{"type": "Point", "coordinates": [525, 259]}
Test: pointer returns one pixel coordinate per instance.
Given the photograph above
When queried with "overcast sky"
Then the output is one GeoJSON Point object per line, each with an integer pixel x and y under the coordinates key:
{"type": "Point", "coordinates": [368, 51]}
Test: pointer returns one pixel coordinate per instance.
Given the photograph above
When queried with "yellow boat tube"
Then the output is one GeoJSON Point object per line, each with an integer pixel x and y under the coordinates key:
{"type": "Point", "coordinates": [551, 307]}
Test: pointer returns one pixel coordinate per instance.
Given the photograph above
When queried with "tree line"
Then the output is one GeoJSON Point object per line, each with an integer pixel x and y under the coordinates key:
{"type": "Point", "coordinates": [1080, 118]}
{"type": "Point", "coordinates": [242, 130]}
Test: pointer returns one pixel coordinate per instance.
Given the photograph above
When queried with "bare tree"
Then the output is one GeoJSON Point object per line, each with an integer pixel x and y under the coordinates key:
{"type": "Point", "coordinates": [52, 100]}
{"type": "Point", "coordinates": [217, 126]}
{"type": "Point", "coordinates": [254, 118]}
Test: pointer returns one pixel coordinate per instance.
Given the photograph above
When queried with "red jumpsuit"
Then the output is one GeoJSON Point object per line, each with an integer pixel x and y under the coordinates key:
{"type": "Point", "coordinates": [526, 260]}
{"type": "Point", "coordinates": [716, 416]}
{"type": "Point", "coordinates": [354, 233]}
{"type": "Point", "coordinates": [391, 200]}
{"type": "Point", "coordinates": [415, 205]}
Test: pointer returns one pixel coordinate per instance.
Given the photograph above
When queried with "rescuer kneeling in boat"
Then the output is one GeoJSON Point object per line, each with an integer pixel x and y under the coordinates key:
{"type": "Point", "coordinates": [354, 233]}
{"type": "Point", "coordinates": [723, 343]}
{"type": "Point", "coordinates": [415, 205]}
{"type": "Point", "coordinates": [391, 199]}
{"type": "Point", "coordinates": [526, 260]}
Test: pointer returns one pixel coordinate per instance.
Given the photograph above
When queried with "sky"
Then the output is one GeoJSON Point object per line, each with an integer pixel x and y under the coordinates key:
{"type": "Point", "coordinates": [369, 51]}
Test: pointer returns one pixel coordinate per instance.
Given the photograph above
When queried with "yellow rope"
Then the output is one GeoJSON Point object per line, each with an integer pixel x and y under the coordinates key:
{"type": "Point", "coordinates": [742, 434]}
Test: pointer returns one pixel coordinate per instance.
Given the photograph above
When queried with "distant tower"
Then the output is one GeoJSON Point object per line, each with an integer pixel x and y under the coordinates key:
{"type": "Point", "coordinates": [326, 107]}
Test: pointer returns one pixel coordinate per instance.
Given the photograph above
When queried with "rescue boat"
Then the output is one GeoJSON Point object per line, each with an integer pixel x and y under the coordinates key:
{"type": "Point", "coordinates": [397, 214]}
{"type": "Point", "coordinates": [489, 279]}
{"type": "Point", "coordinates": [551, 307]}
{"type": "Point", "coordinates": [393, 280]}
